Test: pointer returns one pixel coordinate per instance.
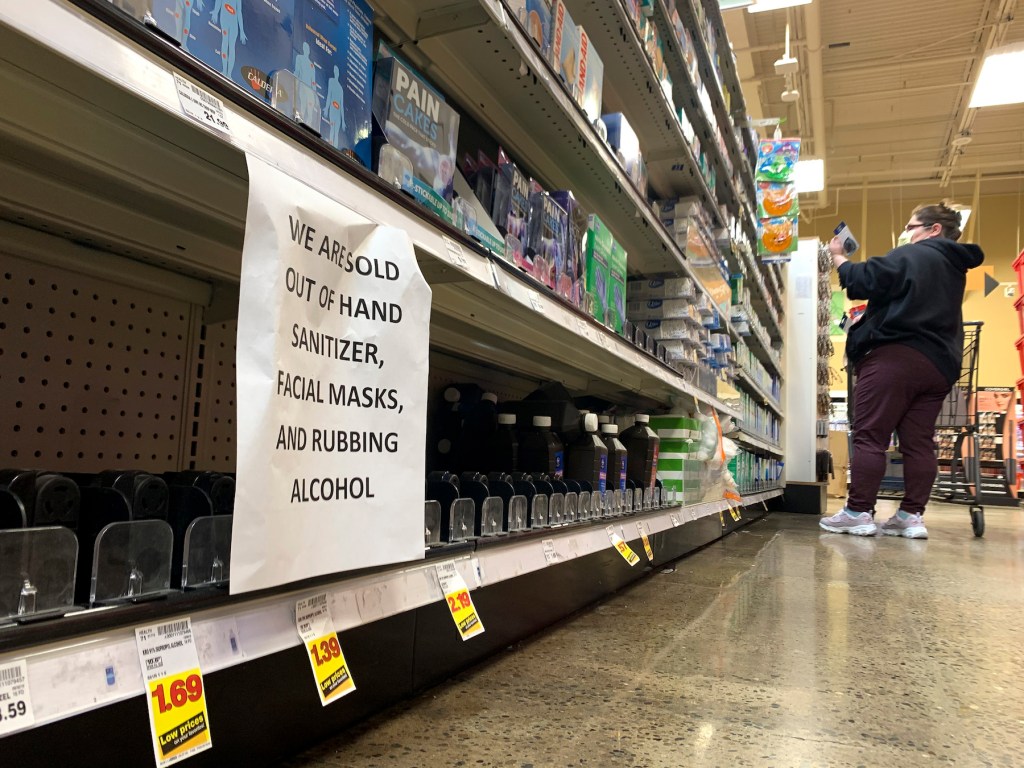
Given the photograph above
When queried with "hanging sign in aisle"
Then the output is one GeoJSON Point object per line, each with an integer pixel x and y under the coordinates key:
{"type": "Point", "coordinates": [15, 700]}
{"type": "Point", "coordinates": [456, 594]}
{"type": "Point", "coordinates": [174, 685]}
{"type": "Point", "coordinates": [622, 547]}
{"type": "Point", "coordinates": [333, 336]}
{"type": "Point", "coordinates": [330, 670]}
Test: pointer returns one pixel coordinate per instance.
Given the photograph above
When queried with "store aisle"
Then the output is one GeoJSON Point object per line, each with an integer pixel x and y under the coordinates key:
{"type": "Point", "coordinates": [777, 646]}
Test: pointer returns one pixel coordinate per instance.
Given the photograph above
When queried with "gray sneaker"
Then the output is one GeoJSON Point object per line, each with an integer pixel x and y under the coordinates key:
{"type": "Point", "coordinates": [909, 527]}
{"type": "Point", "coordinates": [844, 521]}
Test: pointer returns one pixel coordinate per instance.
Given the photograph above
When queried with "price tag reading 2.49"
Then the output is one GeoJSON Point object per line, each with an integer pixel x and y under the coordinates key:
{"type": "Point", "coordinates": [456, 594]}
{"type": "Point", "coordinates": [174, 682]}
{"type": "Point", "coordinates": [330, 670]}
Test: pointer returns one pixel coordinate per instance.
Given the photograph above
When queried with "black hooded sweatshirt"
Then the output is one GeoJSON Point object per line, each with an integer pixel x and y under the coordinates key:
{"type": "Point", "coordinates": [914, 294]}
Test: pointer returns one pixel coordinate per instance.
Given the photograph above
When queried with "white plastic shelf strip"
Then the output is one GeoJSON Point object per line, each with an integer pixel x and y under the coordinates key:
{"type": "Point", "coordinates": [101, 669]}
{"type": "Point", "coordinates": [758, 442]}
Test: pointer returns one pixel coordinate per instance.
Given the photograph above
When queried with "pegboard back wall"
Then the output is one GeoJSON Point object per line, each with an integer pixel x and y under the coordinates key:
{"type": "Point", "coordinates": [93, 375]}
{"type": "Point", "coordinates": [214, 410]}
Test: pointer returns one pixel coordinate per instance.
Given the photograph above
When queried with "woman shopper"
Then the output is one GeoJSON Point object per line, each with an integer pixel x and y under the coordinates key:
{"type": "Point", "coordinates": [906, 351]}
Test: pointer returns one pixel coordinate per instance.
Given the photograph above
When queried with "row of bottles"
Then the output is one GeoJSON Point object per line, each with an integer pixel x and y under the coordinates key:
{"type": "Point", "coordinates": [484, 438]}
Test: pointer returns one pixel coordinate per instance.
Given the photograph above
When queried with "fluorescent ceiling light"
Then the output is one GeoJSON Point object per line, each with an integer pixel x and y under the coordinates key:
{"type": "Point", "coordinates": [965, 214]}
{"type": "Point", "coordinates": [810, 175]}
{"type": "Point", "coordinates": [732, 5]}
{"type": "Point", "coordinates": [774, 5]}
{"type": "Point", "coordinates": [1000, 81]}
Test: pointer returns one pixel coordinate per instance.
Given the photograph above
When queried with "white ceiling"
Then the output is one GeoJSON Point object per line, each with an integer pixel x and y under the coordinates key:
{"type": "Point", "coordinates": [889, 84]}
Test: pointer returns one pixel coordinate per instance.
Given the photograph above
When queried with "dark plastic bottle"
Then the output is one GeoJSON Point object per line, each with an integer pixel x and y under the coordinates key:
{"type": "Point", "coordinates": [502, 448]}
{"type": "Point", "coordinates": [479, 425]}
{"type": "Point", "coordinates": [642, 445]}
{"type": "Point", "coordinates": [587, 458]}
{"type": "Point", "coordinates": [540, 450]}
{"type": "Point", "coordinates": [618, 457]}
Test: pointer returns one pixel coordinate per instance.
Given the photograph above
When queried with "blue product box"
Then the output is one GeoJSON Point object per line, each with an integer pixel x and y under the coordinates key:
{"type": "Point", "coordinates": [410, 116]}
{"type": "Point", "coordinates": [247, 41]}
{"type": "Point", "coordinates": [511, 201]}
{"type": "Point", "coordinates": [570, 283]}
{"type": "Point", "coordinates": [545, 241]}
{"type": "Point", "coordinates": [538, 24]}
{"type": "Point", "coordinates": [332, 61]}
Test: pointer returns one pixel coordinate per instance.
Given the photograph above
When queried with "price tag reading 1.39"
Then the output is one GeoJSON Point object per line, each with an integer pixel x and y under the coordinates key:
{"type": "Point", "coordinates": [15, 702]}
{"type": "Point", "coordinates": [456, 594]}
{"type": "Point", "coordinates": [330, 670]}
{"type": "Point", "coordinates": [174, 682]}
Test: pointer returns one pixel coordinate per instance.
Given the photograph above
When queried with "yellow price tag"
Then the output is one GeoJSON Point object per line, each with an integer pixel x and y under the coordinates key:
{"type": "Point", "coordinates": [646, 540]}
{"type": "Point", "coordinates": [178, 709]}
{"type": "Point", "coordinates": [316, 628]}
{"type": "Point", "coordinates": [178, 714]}
{"type": "Point", "coordinates": [460, 603]}
{"type": "Point", "coordinates": [622, 547]}
{"type": "Point", "coordinates": [329, 668]}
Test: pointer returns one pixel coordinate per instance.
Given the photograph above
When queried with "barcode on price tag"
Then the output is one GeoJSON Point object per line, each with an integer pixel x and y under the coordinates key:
{"type": "Point", "coordinates": [178, 715]}
{"type": "Point", "coordinates": [460, 603]}
{"type": "Point", "coordinates": [316, 628]}
{"type": "Point", "coordinates": [622, 547]}
{"type": "Point", "coordinates": [15, 701]}
{"type": "Point", "coordinates": [200, 105]}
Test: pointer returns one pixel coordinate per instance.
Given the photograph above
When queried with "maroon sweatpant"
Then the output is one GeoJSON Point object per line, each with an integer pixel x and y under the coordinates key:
{"type": "Point", "coordinates": [899, 390]}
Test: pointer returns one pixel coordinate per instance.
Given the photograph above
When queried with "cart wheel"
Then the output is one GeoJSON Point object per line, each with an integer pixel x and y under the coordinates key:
{"type": "Point", "coordinates": [978, 521]}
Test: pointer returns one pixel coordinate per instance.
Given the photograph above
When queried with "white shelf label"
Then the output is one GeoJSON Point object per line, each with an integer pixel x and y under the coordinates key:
{"type": "Point", "coordinates": [675, 520]}
{"type": "Point", "coordinates": [549, 550]}
{"type": "Point", "coordinates": [201, 105]}
{"type": "Point", "coordinates": [15, 700]}
{"type": "Point", "coordinates": [455, 253]}
{"type": "Point", "coordinates": [536, 302]}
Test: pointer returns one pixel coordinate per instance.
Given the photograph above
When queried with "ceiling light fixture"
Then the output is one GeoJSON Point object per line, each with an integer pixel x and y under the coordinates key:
{"type": "Point", "coordinates": [734, 5]}
{"type": "Point", "coordinates": [1000, 81]}
{"type": "Point", "coordinates": [774, 5]}
{"type": "Point", "coordinates": [810, 175]}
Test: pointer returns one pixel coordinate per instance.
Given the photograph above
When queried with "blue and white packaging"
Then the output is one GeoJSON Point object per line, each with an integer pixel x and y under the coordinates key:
{"type": "Point", "coordinates": [538, 24]}
{"type": "Point", "coordinates": [624, 141]}
{"type": "Point", "coordinates": [247, 41]}
{"type": "Point", "coordinates": [411, 116]}
{"type": "Point", "coordinates": [570, 283]}
{"type": "Point", "coordinates": [565, 48]}
{"type": "Point", "coordinates": [332, 56]}
{"type": "Point", "coordinates": [511, 200]}
{"type": "Point", "coordinates": [545, 243]}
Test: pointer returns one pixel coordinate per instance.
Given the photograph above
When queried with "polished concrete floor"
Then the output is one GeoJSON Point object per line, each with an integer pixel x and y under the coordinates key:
{"type": "Point", "coordinates": [779, 646]}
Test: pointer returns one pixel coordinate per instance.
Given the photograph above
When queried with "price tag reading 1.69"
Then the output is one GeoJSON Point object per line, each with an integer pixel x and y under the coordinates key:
{"type": "Point", "coordinates": [174, 682]}
{"type": "Point", "coordinates": [330, 670]}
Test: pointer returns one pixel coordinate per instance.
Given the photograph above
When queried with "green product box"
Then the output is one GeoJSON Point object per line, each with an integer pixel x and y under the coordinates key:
{"type": "Point", "coordinates": [617, 288]}
{"type": "Point", "coordinates": [598, 249]}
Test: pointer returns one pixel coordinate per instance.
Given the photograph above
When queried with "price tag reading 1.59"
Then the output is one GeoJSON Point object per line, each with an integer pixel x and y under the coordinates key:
{"type": "Point", "coordinates": [622, 547]}
{"type": "Point", "coordinates": [330, 670]}
{"type": "Point", "coordinates": [456, 594]}
{"type": "Point", "coordinates": [174, 682]}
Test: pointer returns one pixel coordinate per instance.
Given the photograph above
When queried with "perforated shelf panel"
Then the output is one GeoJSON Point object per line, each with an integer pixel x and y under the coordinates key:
{"type": "Point", "coordinates": [93, 375]}
{"type": "Point", "coordinates": [214, 429]}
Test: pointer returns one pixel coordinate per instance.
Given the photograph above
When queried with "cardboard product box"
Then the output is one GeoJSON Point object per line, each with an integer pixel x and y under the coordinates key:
{"type": "Point", "coordinates": [624, 141]}
{"type": "Point", "coordinates": [598, 254]}
{"type": "Point", "coordinates": [590, 87]}
{"type": "Point", "coordinates": [247, 43]}
{"type": "Point", "coordinates": [538, 24]}
{"type": "Point", "coordinates": [565, 47]}
{"type": "Point", "coordinates": [545, 243]}
{"type": "Point", "coordinates": [511, 210]}
{"type": "Point", "coordinates": [332, 47]}
{"type": "Point", "coordinates": [617, 277]}
{"type": "Point", "coordinates": [571, 283]}
{"type": "Point", "coordinates": [412, 117]}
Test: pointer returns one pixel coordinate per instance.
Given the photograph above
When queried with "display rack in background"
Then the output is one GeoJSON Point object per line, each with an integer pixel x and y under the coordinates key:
{"type": "Point", "coordinates": [823, 456]}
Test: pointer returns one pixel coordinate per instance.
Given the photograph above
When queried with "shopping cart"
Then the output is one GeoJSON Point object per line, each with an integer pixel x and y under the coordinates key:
{"type": "Point", "coordinates": [956, 436]}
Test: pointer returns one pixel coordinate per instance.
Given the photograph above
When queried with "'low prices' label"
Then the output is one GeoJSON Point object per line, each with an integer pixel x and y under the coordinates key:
{"type": "Point", "coordinates": [622, 547]}
{"type": "Point", "coordinates": [330, 670]}
{"type": "Point", "coordinates": [174, 682]}
{"type": "Point", "coordinates": [456, 593]}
